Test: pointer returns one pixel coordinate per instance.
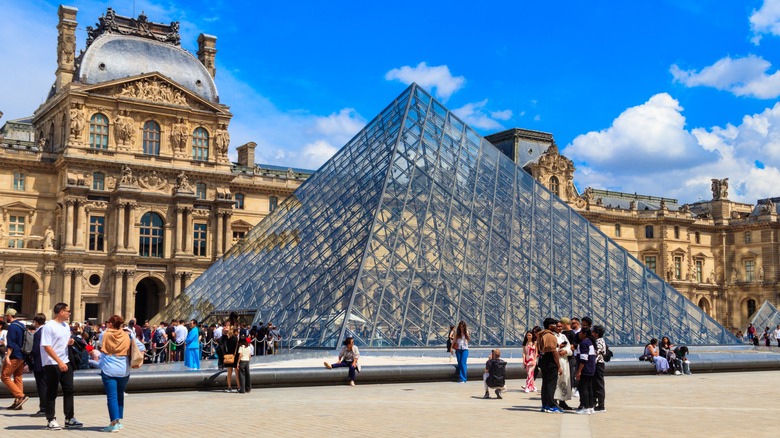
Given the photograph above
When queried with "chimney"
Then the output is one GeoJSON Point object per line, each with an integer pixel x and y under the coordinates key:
{"type": "Point", "coordinates": [246, 154]}
{"type": "Point", "coordinates": [66, 46]}
{"type": "Point", "coordinates": [207, 52]}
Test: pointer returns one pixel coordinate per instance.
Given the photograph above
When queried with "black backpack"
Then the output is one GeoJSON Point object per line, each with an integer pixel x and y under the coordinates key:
{"type": "Point", "coordinates": [497, 373]}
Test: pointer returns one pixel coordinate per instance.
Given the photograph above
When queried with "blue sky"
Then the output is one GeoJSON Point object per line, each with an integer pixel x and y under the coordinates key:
{"type": "Point", "coordinates": [650, 97]}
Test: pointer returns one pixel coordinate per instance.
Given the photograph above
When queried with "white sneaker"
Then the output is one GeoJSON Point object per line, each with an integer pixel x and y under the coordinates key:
{"type": "Point", "coordinates": [53, 425]}
{"type": "Point", "coordinates": [591, 411]}
{"type": "Point", "coordinates": [576, 393]}
{"type": "Point", "coordinates": [583, 411]}
{"type": "Point", "coordinates": [677, 373]}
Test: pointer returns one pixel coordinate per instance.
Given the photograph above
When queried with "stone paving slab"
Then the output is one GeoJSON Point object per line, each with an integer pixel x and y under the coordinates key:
{"type": "Point", "coordinates": [711, 405]}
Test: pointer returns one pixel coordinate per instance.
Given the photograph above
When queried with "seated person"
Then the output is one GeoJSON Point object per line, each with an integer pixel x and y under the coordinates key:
{"type": "Point", "coordinates": [682, 355]}
{"type": "Point", "coordinates": [667, 350]}
{"type": "Point", "coordinates": [94, 357]}
{"type": "Point", "coordinates": [660, 362]}
{"type": "Point", "coordinates": [494, 377]}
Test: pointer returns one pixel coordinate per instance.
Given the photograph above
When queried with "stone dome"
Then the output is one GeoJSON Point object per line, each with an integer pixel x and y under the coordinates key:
{"type": "Point", "coordinates": [112, 56]}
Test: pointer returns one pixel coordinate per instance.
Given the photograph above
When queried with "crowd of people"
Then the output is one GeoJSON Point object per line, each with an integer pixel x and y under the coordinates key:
{"type": "Point", "coordinates": [569, 353]}
{"type": "Point", "coordinates": [766, 338]}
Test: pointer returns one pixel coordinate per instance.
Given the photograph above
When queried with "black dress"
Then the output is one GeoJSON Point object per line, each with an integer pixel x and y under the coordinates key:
{"type": "Point", "coordinates": [231, 345]}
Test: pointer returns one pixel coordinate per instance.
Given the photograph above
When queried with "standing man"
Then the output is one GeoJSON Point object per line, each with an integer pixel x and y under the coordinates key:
{"type": "Point", "coordinates": [55, 339]}
{"type": "Point", "coordinates": [549, 364]}
{"type": "Point", "coordinates": [777, 335]}
{"type": "Point", "coordinates": [13, 364]}
{"type": "Point", "coordinates": [181, 339]}
{"type": "Point", "coordinates": [37, 364]}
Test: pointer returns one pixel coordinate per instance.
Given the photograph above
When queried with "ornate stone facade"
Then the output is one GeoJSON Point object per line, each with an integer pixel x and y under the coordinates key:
{"type": "Point", "coordinates": [121, 193]}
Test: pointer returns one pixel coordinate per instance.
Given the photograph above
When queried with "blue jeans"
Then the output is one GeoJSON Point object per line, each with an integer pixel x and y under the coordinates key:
{"type": "Point", "coordinates": [463, 357]}
{"type": "Point", "coordinates": [115, 395]}
{"type": "Point", "coordinates": [344, 363]}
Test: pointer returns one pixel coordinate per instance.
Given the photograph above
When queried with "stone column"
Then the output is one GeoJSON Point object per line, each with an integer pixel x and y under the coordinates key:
{"type": "Point", "coordinates": [129, 296]}
{"type": "Point", "coordinates": [228, 231]}
{"type": "Point", "coordinates": [176, 284]}
{"type": "Point", "coordinates": [186, 234]}
{"type": "Point", "coordinates": [68, 224]}
{"type": "Point", "coordinates": [118, 291]}
{"type": "Point", "coordinates": [132, 230]}
{"type": "Point", "coordinates": [120, 228]}
{"type": "Point", "coordinates": [77, 309]}
{"type": "Point", "coordinates": [67, 281]}
{"type": "Point", "coordinates": [185, 280]}
{"type": "Point", "coordinates": [44, 298]}
{"type": "Point", "coordinates": [81, 217]}
{"type": "Point", "coordinates": [178, 231]}
{"type": "Point", "coordinates": [218, 233]}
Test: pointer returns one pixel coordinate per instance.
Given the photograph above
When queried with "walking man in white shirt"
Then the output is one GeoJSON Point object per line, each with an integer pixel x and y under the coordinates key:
{"type": "Point", "coordinates": [777, 335]}
{"type": "Point", "coordinates": [57, 369]}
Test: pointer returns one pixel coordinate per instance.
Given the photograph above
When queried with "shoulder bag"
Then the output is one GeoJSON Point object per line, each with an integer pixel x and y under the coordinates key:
{"type": "Point", "coordinates": [230, 359]}
{"type": "Point", "coordinates": [136, 357]}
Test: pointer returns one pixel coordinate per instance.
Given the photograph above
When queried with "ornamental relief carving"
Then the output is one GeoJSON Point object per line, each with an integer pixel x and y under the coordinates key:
{"type": "Point", "coordinates": [154, 91]}
{"type": "Point", "coordinates": [154, 182]}
{"type": "Point", "coordinates": [124, 128]}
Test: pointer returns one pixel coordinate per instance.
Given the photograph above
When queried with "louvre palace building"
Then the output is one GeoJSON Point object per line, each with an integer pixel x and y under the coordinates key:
{"type": "Point", "coordinates": [118, 192]}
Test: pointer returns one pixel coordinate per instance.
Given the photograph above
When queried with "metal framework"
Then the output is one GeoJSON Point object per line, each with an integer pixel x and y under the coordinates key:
{"type": "Point", "coordinates": [417, 223]}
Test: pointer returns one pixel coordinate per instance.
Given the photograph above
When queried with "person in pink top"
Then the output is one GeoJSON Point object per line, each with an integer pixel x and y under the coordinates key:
{"type": "Point", "coordinates": [529, 360]}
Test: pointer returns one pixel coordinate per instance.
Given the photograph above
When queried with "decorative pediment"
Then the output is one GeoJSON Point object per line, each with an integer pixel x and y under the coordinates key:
{"type": "Point", "coordinates": [700, 255]}
{"type": "Point", "coordinates": [18, 205]}
{"type": "Point", "coordinates": [241, 224]}
{"type": "Point", "coordinates": [152, 87]}
{"type": "Point", "coordinates": [679, 251]}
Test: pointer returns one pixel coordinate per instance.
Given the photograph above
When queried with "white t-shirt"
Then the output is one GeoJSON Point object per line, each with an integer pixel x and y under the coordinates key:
{"type": "Point", "coordinates": [777, 334]}
{"type": "Point", "coordinates": [218, 333]}
{"type": "Point", "coordinates": [181, 334]}
{"type": "Point", "coordinates": [55, 335]}
{"type": "Point", "coordinates": [3, 336]}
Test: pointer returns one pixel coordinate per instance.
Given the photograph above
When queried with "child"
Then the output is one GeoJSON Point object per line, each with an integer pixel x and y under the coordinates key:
{"type": "Point", "coordinates": [244, 355]}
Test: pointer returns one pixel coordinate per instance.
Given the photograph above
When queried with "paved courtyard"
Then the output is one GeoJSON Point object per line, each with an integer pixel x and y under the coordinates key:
{"type": "Point", "coordinates": [711, 405]}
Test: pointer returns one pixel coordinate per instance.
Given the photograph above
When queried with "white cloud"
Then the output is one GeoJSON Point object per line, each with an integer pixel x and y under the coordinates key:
{"type": "Point", "coordinates": [765, 21]}
{"type": "Point", "coordinates": [477, 116]}
{"type": "Point", "coordinates": [648, 150]}
{"type": "Point", "coordinates": [428, 77]}
{"type": "Point", "coordinates": [741, 76]}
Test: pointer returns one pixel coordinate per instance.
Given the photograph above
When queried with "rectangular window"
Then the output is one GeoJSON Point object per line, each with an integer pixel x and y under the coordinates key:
{"type": "Point", "coordinates": [199, 240]}
{"type": "Point", "coordinates": [96, 233]}
{"type": "Point", "coordinates": [678, 268]}
{"type": "Point", "coordinates": [238, 235]}
{"type": "Point", "coordinates": [699, 271]}
{"type": "Point", "coordinates": [617, 230]}
{"type": "Point", "coordinates": [272, 202]}
{"type": "Point", "coordinates": [16, 232]}
{"type": "Point", "coordinates": [750, 267]}
{"type": "Point", "coordinates": [650, 262]}
{"type": "Point", "coordinates": [649, 232]}
{"type": "Point", "coordinates": [19, 181]}
{"type": "Point", "coordinates": [748, 237]}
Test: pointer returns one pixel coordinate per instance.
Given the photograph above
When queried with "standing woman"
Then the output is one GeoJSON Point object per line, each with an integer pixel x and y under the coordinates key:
{"type": "Point", "coordinates": [231, 347]}
{"type": "Point", "coordinates": [462, 350]}
{"type": "Point", "coordinates": [450, 337]}
{"type": "Point", "coordinates": [529, 360]}
{"type": "Point", "coordinates": [115, 369]}
{"type": "Point", "coordinates": [192, 347]}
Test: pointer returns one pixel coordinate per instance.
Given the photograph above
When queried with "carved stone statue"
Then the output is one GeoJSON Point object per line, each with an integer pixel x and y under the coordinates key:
{"type": "Point", "coordinates": [180, 133]}
{"type": "Point", "coordinates": [768, 207]}
{"type": "Point", "coordinates": [222, 140]}
{"type": "Point", "coordinates": [48, 238]}
{"type": "Point", "coordinates": [182, 183]}
{"type": "Point", "coordinates": [632, 205]}
{"type": "Point", "coordinates": [154, 91]}
{"type": "Point", "coordinates": [685, 208]}
{"type": "Point", "coordinates": [663, 204]}
{"type": "Point", "coordinates": [588, 195]}
{"type": "Point", "coordinates": [720, 189]}
{"type": "Point", "coordinates": [124, 128]}
{"type": "Point", "coordinates": [77, 121]}
{"type": "Point", "coordinates": [127, 176]}
{"type": "Point", "coordinates": [760, 273]}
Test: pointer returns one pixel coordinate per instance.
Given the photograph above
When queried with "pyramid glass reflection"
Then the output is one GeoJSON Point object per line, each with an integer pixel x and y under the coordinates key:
{"type": "Point", "coordinates": [766, 316]}
{"type": "Point", "coordinates": [417, 223]}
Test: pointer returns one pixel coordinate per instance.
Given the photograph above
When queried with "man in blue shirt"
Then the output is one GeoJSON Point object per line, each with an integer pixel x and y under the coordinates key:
{"type": "Point", "coordinates": [13, 365]}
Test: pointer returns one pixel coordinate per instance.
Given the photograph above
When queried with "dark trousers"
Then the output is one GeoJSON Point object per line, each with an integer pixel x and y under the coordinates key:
{"type": "Point", "coordinates": [344, 363]}
{"type": "Point", "coordinates": [585, 387]}
{"type": "Point", "coordinates": [40, 384]}
{"type": "Point", "coordinates": [244, 381]}
{"type": "Point", "coordinates": [54, 379]}
{"type": "Point", "coordinates": [573, 370]}
{"type": "Point", "coordinates": [599, 388]}
{"type": "Point", "coordinates": [549, 378]}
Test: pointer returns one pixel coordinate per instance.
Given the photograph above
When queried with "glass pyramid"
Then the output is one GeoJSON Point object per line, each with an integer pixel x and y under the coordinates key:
{"type": "Point", "coordinates": [766, 316]}
{"type": "Point", "coordinates": [417, 223]}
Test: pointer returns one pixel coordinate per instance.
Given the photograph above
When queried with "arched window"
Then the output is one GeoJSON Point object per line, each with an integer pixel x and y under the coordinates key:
{"type": "Point", "coordinates": [98, 181]}
{"type": "Point", "coordinates": [200, 191]}
{"type": "Point", "coordinates": [697, 237]}
{"type": "Point", "coordinates": [272, 202]}
{"type": "Point", "coordinates": [676, 232]}
{"type": "Point", "coordinates": [200, 145]}
{"type": "Point", "coordinates": [704, 305]}
{"type": "Point", "coordinates": [555, 185]}
{"type": "Point", "coordinates": [151, 232]}
{"type": "Point", "coordinates": [19, 180]}
{"type": "Point", "coordinates": [98, 132]}
{"type": "Point", "coordinates": [151, 138]}
{"type": "Point", "coordinates": [751, 307]}
{"type": "Point", "coordinates": [239, 201]}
